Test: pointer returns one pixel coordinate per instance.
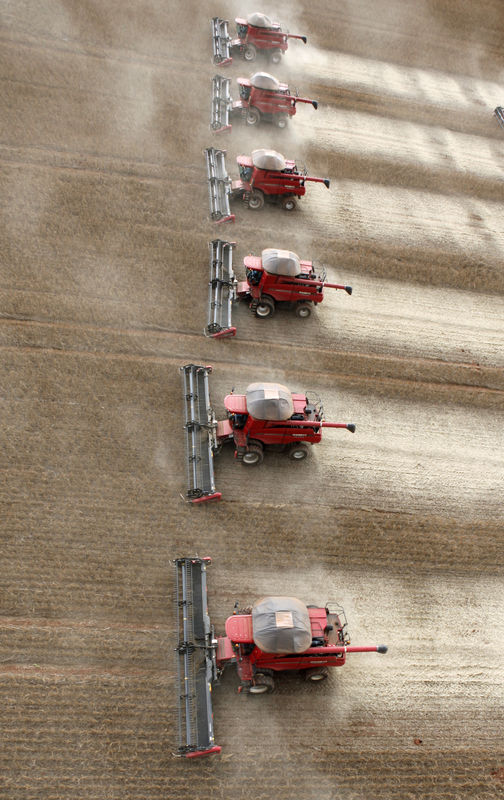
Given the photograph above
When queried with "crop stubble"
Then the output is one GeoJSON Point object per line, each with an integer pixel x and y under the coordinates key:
{"type": "Point", "coordinates": [103, 287]}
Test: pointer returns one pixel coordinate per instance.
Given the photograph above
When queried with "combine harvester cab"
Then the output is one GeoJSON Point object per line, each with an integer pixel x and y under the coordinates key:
{"type": "Point", "coordinates": [265, 176]}
{"type": "Point", "coordinates": [279, 277]}
{"type": "Point", "coordinates": [267, 414]}
{"type": "Point", "coordinates": [196, 660]}
{"type": "Point", "coordinates": [201, 434]}
{"type": "Point", "coordinates": [278, 634]}
{"type": "Point", "coordinates": [276, 279]}
{"type": "Point", "coordinates": [262, 99]}
{"type": "Point", "coordinates": [257, 34]}
{"type": "Point", "coordinates": [219, 185]}
{"type": "Point", "coordinates": [499, 113]}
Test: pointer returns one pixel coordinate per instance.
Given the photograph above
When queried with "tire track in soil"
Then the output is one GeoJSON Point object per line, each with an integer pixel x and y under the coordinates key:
{"type": "Point", "coordinates": [109, 341]}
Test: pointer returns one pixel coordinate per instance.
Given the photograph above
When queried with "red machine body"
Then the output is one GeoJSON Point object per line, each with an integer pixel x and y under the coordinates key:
{"type": "Point", "coordinates": [255, 34]}
{"type": "Point", "coordinates": [262, 99]}
{"type": "Point", "coordinates": [278, 278]}
{"type": "Point", "coordinates": [329, 647]}
{"type": "Point", "coordinates": [265, 288]}
{"type": "Point", "coordinates": [281, 184]}
{"type": "Point", "coordinates": [271, 40]}
{"type": "Point", "coordinates": [301, 423]}
{"type": "Point", "coordinates": [274, 105]}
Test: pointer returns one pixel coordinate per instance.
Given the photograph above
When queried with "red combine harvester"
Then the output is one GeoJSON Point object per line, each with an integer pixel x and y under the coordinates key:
{"type": "Point", "coordinates": [276, 279]}
{"type": "Point", "coordinates": [262, 98]}
{"type": "Point", "coordinates": [275, 635]}
{"type": "Point", "coordinates": [267, 415]}
{"type": "Point", "coordinates": [265, 176]}
{"type": "Point", "coordinates": [256, 34]}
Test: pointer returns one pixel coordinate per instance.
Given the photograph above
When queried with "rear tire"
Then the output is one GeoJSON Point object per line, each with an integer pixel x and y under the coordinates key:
{"type": "Point", "coordinates": [254, 455]}
{"type": "Point", "coordinates": [303, 310]}
{"type": "Point", "coordinates": [253, 116]}
{"type": "Point", "coordinates": [256, 200]}
{"type": "Point", "coordinates": [316, 674]}
{"type": "Point", "coordinates": [288, 203]}
{"type": "Point", "coordinates": [276, 56]}
{"type": "Point", "coordinates": [265, 307]}
{"type": "Point", "coordinates": [264, 684]}
{"type": "Point", "coordinates": [281, 120]}
{"type": "Point", "coordinates": [250, 52]}
{"type": "Point", "coordinates": [298, 451]}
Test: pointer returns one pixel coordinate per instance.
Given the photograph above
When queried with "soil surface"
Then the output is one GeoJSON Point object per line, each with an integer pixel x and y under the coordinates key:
{"type": "Point", "coordinates": [103, 292]}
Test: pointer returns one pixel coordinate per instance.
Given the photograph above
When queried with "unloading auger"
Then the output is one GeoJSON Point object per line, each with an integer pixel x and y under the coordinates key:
{"type": "Point", "coordinates": [221, 290]}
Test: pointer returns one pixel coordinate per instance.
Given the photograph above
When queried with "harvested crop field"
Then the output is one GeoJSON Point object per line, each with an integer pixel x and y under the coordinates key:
{"type": "Point", "coordinates": [103, 292]}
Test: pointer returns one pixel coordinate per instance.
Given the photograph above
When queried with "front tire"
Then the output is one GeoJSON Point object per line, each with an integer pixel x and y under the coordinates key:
{"type": "Point", "coordinates": [276, 56]}
{"type": "Point", "coordinates": [281, 120]}
{"type": "Point", "coordinates": [256, 200]}
{"type": "Point", "coordinates": [253, 116]}
{"type": "Point", "coordinates": [250, 52]}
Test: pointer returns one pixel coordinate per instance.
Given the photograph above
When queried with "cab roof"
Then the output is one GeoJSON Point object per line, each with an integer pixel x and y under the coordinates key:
{"type": "Point", "coordinates": [281, 625]}
{"type": "Point", "coordinates": [268, 159]}
{"type": "Point", "coordinates": [281, 262]}
{"type": "Point", "coordinates": [258, 20]}
{"type": "Point", "coordinates": [269, 401]}
{"type": "Point", "coordinates": [263, 80]}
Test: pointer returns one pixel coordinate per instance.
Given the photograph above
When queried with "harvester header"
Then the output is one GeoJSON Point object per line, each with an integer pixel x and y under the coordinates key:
{"type": "Point", "coordinates": [219, 185]}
